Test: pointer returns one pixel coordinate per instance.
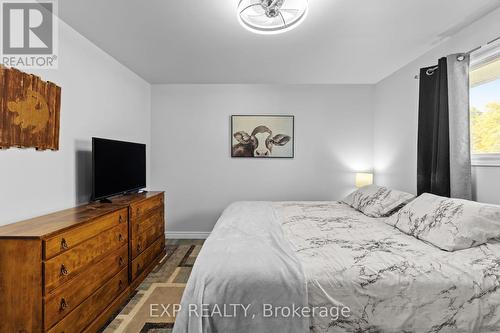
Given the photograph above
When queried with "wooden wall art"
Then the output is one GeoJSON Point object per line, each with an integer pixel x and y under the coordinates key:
{"type": "Point", "coordinates": [29, 111]}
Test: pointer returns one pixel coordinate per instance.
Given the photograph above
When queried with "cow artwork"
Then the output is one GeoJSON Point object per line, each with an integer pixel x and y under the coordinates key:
{"type": "Point", "coordinates": [262, 136]}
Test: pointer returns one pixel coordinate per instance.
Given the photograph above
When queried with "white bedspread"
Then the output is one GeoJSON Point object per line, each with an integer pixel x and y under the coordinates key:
{"type": "Point", "coordinates": [245, 261]}
{"type": "Point", "coordinates": [328, 254]}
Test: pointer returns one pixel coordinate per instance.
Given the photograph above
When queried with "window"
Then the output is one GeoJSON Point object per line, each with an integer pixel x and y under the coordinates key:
{"type": "Point", "coordinates": [485, 109]}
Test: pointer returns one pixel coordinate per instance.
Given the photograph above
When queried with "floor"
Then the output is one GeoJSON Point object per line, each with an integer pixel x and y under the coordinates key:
{"type": "Point", "coordinates": [163, 287]}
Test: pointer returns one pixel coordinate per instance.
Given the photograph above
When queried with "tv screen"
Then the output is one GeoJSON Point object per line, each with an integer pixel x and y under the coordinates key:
{"type": "Point", "coordinates": [118, 167]}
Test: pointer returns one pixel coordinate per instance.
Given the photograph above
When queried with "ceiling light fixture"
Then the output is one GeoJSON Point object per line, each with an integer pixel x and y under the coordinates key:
{"type": "Point", "coordinates": [271, 16]}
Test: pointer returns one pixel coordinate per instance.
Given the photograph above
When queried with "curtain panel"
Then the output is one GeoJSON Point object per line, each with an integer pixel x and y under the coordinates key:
{"type": "Point", "coordinates": [443, 161]}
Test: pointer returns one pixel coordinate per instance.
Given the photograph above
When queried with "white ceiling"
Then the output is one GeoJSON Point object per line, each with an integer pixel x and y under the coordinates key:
{"type": "Point", "coordinates": [201, 41]}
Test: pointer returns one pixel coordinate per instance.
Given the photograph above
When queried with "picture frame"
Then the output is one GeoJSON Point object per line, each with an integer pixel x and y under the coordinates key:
{"type": "Point", "coordinates": [262, 136]}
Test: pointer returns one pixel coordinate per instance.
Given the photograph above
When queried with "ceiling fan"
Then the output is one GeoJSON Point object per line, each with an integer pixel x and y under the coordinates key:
{"type": "Point", "coordinates": [271, 16]}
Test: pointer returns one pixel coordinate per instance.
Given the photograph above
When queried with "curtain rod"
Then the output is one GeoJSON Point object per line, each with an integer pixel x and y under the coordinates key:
{"type": "Point", "coordinates": [430, 71]}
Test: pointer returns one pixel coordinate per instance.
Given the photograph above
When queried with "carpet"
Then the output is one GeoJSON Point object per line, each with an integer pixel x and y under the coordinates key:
{"type": "Point", "coordinates": [150, 308]}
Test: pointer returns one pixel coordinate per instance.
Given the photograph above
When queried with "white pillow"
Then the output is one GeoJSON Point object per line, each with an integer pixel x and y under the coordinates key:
{"type": "Point", "coordinates": [450, 224]}
{"type": "Point", "coordinates": [377, 201]}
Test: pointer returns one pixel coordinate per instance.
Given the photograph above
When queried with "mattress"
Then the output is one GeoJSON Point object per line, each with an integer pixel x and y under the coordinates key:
{"type": "Point", "coordinates": [326, 255]}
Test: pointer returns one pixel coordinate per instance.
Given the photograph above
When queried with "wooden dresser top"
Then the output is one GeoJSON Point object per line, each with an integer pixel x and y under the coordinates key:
{"type": "Point", "coordinates": [48, 225]}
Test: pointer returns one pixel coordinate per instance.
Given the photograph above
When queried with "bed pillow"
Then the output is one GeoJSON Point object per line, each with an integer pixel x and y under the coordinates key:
{"type": "Point", "coordinates": [377, 201]}
{"type": "Point", "coordinates": [450, 224]}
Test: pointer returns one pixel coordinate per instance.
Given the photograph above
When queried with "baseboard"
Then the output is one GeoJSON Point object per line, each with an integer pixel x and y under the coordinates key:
{"type": "Point", "coordinates": [186, 235]}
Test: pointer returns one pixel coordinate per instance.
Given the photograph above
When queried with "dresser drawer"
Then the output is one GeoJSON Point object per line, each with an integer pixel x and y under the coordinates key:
{"type": "Point", "coordinates": [139, 227]}
{"type": "Point", "coordinates": [140, 263]}
{"type": "Point", "coordinates": [69, 239]}
{"type": "Point", "coordinates": [69, 263]}
{"type": "Point", "coordinates": [143, 208]}
{"type": "Point", "coordinates": [142, 241]}
{"type": "Point", "coordinates": [86, 312]}
{"type": "Point", "coordinates": [66, 298]}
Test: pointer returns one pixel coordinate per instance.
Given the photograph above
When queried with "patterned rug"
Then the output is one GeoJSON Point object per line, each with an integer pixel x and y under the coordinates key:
{"type": "Point", "coordinates": [150, 308]}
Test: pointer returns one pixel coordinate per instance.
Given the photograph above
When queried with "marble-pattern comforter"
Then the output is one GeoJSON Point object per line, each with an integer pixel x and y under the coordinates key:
{"type": "Point", "coordinates": [328, 254]}
{"type": "Point", "coordinates": [391, 281]}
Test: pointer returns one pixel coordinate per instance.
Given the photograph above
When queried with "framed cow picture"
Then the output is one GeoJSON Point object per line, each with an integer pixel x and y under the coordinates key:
{"type": "Point", "coordinates": [266, 136]}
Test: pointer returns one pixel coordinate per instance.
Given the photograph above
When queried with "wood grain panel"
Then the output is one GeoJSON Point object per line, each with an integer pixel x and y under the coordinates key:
{"type": "Point", "coordinates": [142, 275]}
{"type": "Point", "coordinates": [47, 226]}
{"type": "Point", "coordinates": [20, 286]}
{"type": "Point", "coordinates": [98, 324]}
{"type": "Point", "coordinates": [66, 298]}
{"type": "Point", "coordinates": [140, 226]}
{"type": "Point", "coordinates": [89, 310]}
{"type": "Point", "coordinates": [68, 239]}
{"type": "Point", "coordinates": [145, 258]}
{"type": "Point", "coordinates": [68, 264]}
{"type": "Point", "coordinates": [29, 111]}
{"type": "Point", "coordinates": [142, 241]}
{"type": "Point", "coordinates": [142, 209]}
{"type": "Point", "coordinates": [52, 224]}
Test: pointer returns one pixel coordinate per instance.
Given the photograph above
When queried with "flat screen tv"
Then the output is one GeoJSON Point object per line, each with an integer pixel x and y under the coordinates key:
{"type": "Point", "coordinates": [118, 167]}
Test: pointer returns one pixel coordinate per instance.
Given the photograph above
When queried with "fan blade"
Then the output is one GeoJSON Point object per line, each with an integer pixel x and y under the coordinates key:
{"type": "Point", "coordinates": [253, 7]}
{"type": "Point", "coordinates": [283, 19]}
{"type": "Point", "coordinates": [290, 11]}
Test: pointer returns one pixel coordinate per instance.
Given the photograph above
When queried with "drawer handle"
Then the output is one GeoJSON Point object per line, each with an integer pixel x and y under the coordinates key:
{"type": "Point", "coordinates": [120, 219]}
{"type": "Point", "coordinates": [120, 262]}
{"type": "Point", "coordinates": [64, 271]}
{"type": "Point", "coordinates": [120, 237]}
{"type": "Point", "coordinates": [63, 305]}
{"type": "Point", "coordinates": [64, 245]}
{"type": "Point", "coordinates": [138, 247]}
{"type": "Point", "coordinates": [138, 267]}
{"type": "Point", "coordinates": [120, 284]}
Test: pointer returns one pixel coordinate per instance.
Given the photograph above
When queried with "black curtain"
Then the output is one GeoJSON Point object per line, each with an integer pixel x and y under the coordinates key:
{"type": "Point", "coordinates": [433, 161]}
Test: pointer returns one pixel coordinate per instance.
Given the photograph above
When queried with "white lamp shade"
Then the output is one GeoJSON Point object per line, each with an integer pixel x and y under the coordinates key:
{"type": "Point", "coordinates": [364, 179]}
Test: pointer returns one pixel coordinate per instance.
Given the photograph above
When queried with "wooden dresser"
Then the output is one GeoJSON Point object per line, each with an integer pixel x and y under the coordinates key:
{"type": "Point", "coordinates": [69, 271]}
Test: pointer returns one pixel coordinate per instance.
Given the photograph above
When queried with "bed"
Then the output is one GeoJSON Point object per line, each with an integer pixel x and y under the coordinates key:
{"type": "Point", "coordinates": [327, 255]}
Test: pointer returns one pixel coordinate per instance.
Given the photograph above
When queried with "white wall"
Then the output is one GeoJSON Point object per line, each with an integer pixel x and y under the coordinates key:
{"type": "Point", "coordinates": [100, 97]}
{"type": "Point", "coordinates": [191, 147]}
{"type": "Point", "coordinates": [396, 112]}
{"type": "Point", "coordinates": [188, 135]}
